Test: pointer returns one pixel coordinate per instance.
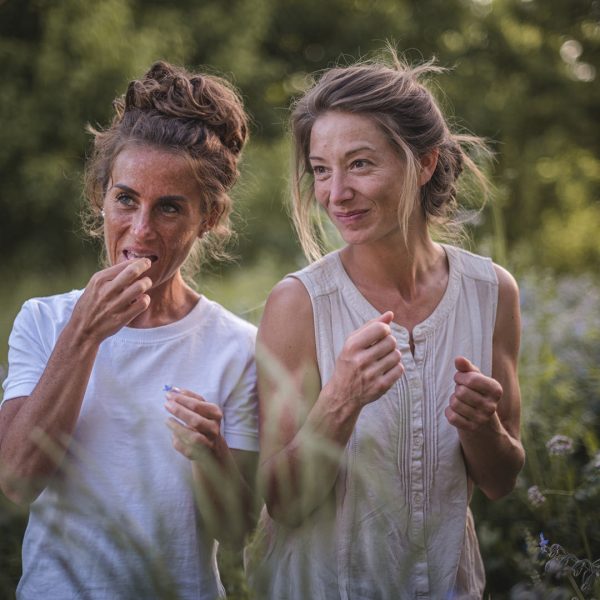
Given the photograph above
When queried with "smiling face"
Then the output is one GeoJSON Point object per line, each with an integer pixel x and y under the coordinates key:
{"type": "Point", "coordinates": [152, 208]}
{"type": "Point", "coordinates": [357, 177]}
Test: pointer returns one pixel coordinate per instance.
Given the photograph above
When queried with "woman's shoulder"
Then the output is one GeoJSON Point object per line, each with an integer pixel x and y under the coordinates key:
{"type": "Point", "coordinates": [57, 307]}
{"type": "Point", "coordinates": [225, 322]}
{"type": "Point", "coordinates": [469, 264]}
{"type": "Point", "coordinates": [485, 269]}
{"type": "Point", "coordinates": [289, 297]}
{"type": "Point", "coordinates": [322, 276]}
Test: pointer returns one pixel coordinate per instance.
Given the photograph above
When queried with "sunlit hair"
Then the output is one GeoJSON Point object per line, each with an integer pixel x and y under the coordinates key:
{"type": "Point", "coordinates": [197, 116]}
{"type": "Point", "coordinates": [389, 92]}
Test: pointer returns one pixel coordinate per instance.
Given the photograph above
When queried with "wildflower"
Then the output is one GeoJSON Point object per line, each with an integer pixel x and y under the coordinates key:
{"type": "Point", "coordinates": [535, 496]}
{"type": "Point", "coordinates": [560, 445]}
{"type": "Point", "coordinates": [543, 543]}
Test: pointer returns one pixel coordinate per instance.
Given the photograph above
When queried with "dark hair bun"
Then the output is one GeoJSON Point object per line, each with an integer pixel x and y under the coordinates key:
{"type": "Point", "coordinates": [173, 92]}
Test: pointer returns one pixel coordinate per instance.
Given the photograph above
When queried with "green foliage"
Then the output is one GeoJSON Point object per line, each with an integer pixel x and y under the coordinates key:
{"type": "Point", "coordinates": [558, 492]}
{"type": "Point", "coordinates": [522, 73]}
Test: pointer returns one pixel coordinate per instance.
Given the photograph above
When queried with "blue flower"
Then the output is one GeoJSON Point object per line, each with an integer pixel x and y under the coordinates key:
{"type": "Point", "coordinates": [543, 543]}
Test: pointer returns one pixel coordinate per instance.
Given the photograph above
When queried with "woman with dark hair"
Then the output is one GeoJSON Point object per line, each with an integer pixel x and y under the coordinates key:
{"type": "Point", "coordinates": [121, 507]}
{"type": "Point", "coordinates": [399, 354]}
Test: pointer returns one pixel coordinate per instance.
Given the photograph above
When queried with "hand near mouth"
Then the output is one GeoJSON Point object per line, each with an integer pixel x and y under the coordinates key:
{"type": "Point", "coordinates": [112, 298]}
{"type": "Point", "coordinates": [133, 255]}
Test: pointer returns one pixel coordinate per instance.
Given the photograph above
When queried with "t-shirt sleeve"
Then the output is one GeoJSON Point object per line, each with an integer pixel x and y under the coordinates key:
{"type": "Point", "coordinates": [27, 354]}
{"type": "Point", "coordinates": [240, 411]}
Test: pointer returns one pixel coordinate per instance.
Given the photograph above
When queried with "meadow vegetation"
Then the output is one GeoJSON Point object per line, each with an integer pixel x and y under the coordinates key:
{"type": "Point", "coordinates": [521, 73]}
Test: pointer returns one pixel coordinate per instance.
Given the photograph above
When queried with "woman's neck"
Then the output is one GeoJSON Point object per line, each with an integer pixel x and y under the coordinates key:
{"type": "Point", "coordinates": [169, 302]}
{"type": "Point", "coordinates": [399, 267]}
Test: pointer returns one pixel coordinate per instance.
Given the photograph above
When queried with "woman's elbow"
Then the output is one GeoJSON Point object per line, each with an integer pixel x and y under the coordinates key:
{"type": "Point", "coordinates": [504, 484]}
{"type": "Point", "coordinates": [499, 490]}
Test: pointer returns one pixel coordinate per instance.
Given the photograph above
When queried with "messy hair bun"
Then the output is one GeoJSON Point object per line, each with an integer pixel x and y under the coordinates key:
{"type": "Point", "coordinates": [196, 115]}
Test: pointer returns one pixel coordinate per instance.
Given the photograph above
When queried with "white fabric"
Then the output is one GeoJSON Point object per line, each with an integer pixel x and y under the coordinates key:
{"type": "Point", "coordinates": [398, 526]}
{"type": "Point", "coordinates": [119, 520]}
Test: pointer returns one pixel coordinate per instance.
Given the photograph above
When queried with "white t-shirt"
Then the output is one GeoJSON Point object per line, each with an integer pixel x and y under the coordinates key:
{"type": "Point", "coordinates": [119, 519]}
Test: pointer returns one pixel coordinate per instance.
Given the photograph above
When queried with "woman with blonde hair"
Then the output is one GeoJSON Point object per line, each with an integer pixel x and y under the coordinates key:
{"type": "Point", "coordinates": [400, 355]}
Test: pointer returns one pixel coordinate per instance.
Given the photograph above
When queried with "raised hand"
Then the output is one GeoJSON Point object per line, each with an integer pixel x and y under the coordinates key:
{"type": "Point", "coordinates": [475, 399]}
{"type": "Point", "coordinates": [368, 365]}
{"type": "Point", "coordinates": [112, 298]}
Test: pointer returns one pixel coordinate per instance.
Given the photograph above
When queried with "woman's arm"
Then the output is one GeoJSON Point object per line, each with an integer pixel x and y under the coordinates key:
{"type": "Point", "coordinates": [487, 411]}
{"type": "Point", "coordinates": [35, 430]}
{"type": "Point", "coordinates": [225, 478]}
{"type": "Point", "coordinates": [305, 427]}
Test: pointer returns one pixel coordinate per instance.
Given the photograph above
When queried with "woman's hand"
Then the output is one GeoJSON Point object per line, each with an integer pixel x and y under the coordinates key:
{"type": "Point", "coordinates": [225, 479]}
{"type": "Point", "coordinates": [112, 298]}
{"type": "Point", "coordinates": [368, 365]}
{"type": "Point", "coordinates": [475, 400]}
{"type": "Point", "coordinates": [196, 425]}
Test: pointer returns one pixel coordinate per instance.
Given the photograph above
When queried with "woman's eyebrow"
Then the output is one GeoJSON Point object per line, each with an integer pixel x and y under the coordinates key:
{"type": "Point", "coordinates": [366, 148]}
{"type": "Point", "coordinates": [167, 198]}
{"type": "Point", "coordinates": [126, 188]}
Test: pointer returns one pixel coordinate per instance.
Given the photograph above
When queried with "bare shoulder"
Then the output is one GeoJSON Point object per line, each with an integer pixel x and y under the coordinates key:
{"type": "Point", "coordinates": [288, 309]}
{"type": "Point", "coordinates": [508, 317]}
{"type": "Point", "coordinates": [291, 295]}
{"type": "Point", "coordinates": [507, 284]}
{"type": "Point", "coordinates": [287, 325]}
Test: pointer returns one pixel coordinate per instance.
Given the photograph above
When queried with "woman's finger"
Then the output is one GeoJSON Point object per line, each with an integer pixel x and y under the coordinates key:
{"type": "Point", "coordinates": [205, 423]}
{"type": "Point", "coordinates": [383, 347]}
{"type": "Point", "coordinates": [134, 270]}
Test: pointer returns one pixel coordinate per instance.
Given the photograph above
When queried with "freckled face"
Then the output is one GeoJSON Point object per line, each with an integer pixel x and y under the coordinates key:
{"type": "Point", "coordinates": [152, 209]}
{"type": "Point", "coordinates": [357, 176]}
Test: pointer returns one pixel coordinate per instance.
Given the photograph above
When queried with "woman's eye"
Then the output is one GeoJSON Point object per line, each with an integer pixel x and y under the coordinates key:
{"type": "Point", "coordinates": [318, 171]}
{"type": "Point", "coordinates": [125, 200]}
{"type": "Point", "coordinates": [359, 163]}
{"type": "Point", "coordinates": [169, 209]}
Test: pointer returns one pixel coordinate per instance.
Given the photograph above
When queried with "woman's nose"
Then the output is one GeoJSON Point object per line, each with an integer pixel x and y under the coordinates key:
{"type": "Point", "coordinates": [141, 225]}
{"type": "Point", "coordinates": [339, 188]}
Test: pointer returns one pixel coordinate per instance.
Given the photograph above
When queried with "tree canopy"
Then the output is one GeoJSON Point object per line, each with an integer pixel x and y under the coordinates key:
{"type": "Point", "coordinates": [521, 73]}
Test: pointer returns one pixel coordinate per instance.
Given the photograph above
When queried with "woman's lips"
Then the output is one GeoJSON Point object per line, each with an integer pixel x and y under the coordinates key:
{"type": "Point", "coordinates": [133, 254]}
{"type": "Point", "coordinates": [350, 216]}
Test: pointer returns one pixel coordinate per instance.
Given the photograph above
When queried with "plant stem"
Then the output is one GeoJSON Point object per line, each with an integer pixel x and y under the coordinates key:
{"type": "Point", "coordinates": [575, 587]}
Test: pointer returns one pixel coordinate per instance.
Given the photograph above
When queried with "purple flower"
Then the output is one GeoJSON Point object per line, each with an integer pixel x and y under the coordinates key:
{"type": "Point", "coordinates": [559, 445]}
{"type": "Point", "coordinates": [535, 496]}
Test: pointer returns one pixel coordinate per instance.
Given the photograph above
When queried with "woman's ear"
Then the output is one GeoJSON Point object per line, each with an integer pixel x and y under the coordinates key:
{"type": "Point", "coordinates": [209, 222]}
{"type": "Point", "coordinates": [428, 164]}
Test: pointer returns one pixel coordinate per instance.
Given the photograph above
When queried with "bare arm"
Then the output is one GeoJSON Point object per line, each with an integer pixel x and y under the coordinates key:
{"type": "Point", "coordinates": [305, 427]}
{"type": "Point", "coordinates": [35, 430]}
{"type": "Point", "coordinates": [225, 478]}
{"type": "Point", "coordinates": [487, 410]}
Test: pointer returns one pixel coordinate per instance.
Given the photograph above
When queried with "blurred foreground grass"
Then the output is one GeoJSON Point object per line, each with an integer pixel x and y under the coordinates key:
{"type": "Point", "coordinates": [543, 540]}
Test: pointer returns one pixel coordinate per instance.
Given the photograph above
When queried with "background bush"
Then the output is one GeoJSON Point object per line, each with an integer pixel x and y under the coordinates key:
{"type": "Point", "coordinates": [523, 73]}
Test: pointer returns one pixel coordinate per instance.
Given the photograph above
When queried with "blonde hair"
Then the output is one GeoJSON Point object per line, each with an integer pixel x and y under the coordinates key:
{"type": "Point", "coordinates": [392, 95]}
{"type": "Point", "coordinates": [200, 117]}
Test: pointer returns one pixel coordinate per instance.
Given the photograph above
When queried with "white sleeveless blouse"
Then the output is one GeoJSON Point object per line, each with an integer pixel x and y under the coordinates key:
{"type": "Point", "coordinates": [399, 526]}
